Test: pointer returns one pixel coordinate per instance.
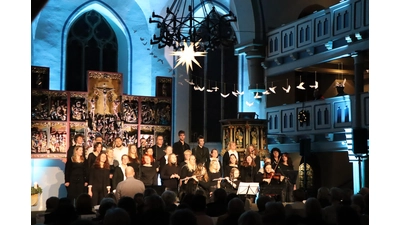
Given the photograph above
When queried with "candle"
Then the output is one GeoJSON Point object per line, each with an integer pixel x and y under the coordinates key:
{"type": "Point", "coordinates": [35, 185]}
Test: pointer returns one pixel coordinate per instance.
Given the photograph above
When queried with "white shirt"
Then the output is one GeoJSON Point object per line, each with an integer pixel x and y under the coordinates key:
{"type": "Point", "coordinates": [118, 152]}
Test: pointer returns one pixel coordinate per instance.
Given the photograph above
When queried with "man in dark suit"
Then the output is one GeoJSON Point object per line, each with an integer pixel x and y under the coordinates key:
{"type": "Point", "coordinates": [143, 146]}
{"type": "Point", "coordinates": [202, 153]}
{"type": "Point", "coordinates": [159, 147]}
{"type": "Point", "coordinates": [78, 140]}
{"type": "Point", "coordinates": [180, 146]}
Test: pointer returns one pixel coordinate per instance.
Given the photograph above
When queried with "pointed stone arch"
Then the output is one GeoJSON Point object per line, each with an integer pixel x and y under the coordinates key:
{"type": "Point", "coordinates": [121, 32]}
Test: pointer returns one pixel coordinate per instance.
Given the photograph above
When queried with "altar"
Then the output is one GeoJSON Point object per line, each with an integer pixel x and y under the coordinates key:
{"type": "Point", "coordinates": [245, 130]}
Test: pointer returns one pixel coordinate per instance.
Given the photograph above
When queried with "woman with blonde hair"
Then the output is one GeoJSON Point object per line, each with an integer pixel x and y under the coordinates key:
{"type": "Point", "coordinates": [187, 173]}
{"type": "Point", "coordinates": [186, 154]}
{"type": "Point", "coordinates": [76, 174]}
{"type": "Point", "coordinates": [231, 183]}
{"type": "Point", "coordinates": [170, 174]}
{"type": "Point", "coordinates": [214, 175]}
{"type": "Point", "coordinates": [231, 150]}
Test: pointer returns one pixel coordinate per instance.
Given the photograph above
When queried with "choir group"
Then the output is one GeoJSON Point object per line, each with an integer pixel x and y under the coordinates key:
{"type": "Point", "coordinates": [98, 170]}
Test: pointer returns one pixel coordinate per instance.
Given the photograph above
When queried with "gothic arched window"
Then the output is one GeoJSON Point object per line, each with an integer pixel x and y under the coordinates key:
{"type": "Point", "coordinates": [91, 45]}
{"type": "Point", "coordinates": [306, 176]}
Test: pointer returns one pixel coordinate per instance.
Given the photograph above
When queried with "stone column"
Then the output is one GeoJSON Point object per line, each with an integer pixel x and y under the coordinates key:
{"type": "Point", "coordinates": [255, 55]}
{"type": "Point", "coordinates": [360, 134]}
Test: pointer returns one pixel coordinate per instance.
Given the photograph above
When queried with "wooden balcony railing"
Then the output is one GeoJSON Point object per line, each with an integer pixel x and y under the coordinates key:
{"type": "Point", "coordinates": [323, 116]}
{"type": "Point", "coordinates": [345, 24]}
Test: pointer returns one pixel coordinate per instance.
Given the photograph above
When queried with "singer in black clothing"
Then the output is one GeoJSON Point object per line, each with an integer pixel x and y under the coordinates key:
{"type": "Point", "coordinates": [201, 152]}
{"type": "Point", "coordinates": [253, 152]}
{"type": "Point", "coordinates": [78, 139]}
{"type": "Point", "coordinates": [233, 163]}
{"type": "Point", "coordinates": [148, 171]}
{"type": "Point", "coordinates": [170, 174]}
{"type": "Point", "coordinates": [276, 157]}
{"type": "Point", "coordinates": [159, 148]}
{"type": "Point", "coordinates": [214, 172]}
{"type": "Point", "coordinates": [187, 174]}
{"type": "Point", "coordinates": [287, 170]}
{"type": "Point", "coordinates": [76, 174]}
{"type": "Point", "coordinates": [248, 170]}
{"type": "Point", "coordinates": [99, 179]}
{"type": "Point", "coordinates": [180, 146]}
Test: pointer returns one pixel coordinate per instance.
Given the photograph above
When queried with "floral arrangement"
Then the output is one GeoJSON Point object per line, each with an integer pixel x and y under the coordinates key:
{"type": "Point", "coordinates": [303, 116]}
{"type": "Point", "coordinates": [36, 189]}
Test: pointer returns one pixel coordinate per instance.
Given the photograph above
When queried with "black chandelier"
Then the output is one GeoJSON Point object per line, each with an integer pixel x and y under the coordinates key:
{"type": "Point", "coordinates": [180, 25]}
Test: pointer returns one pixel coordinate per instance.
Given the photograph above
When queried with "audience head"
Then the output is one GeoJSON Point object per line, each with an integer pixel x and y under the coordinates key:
{"type": "Point", "coordinates": [219, 195]}
{"type": "Point", "coordinates": [323, 193]}
{"type": "Point", "coordinates": [128, 204]}
{"type": "Point", "coordinates": [149, 191]}
{"type": "Point", "coordinates": [65, 211]}
{"type": "Point", "coordinates": [274, 213]}
{"type": "Point", "coordinates": [299, 195]}
{"type": "Point", "coordinates": [169, 197]}
{"type": "Point", "coordinates": [183, 217]}
{"type": "Point", "coordinates": [312, 207]}
{"type": "Point", "coordinates": [154, 203]}
{"type": "Point", "coordinates": [199, 203]}
{"type": "Point", "coordinates": [347, 215]}
{"type": "Point", "coordinates": [106, 204]}
{"type": "Point", "coordinates": [116, 216]}
{"type": "Point", "coordinates": [262, 200]}
{"type": "Point", "coordinates": [235, 206]}
{"type": "Point", "coordinates": [51, 203]}
{"type": "Point", "coordinates": [186, 200]}
{"type": "Point", "coordinates": [336, 194]}
{"type": "Point", "coordinates": [250, 218]}
{"type": "Point", "coordinates": [357, 201]}
{"type": "Point", "coordinates": [83, 204]}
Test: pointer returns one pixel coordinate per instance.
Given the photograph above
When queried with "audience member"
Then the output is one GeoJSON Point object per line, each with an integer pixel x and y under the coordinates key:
{"type": "Point", "coordinates": [51, 204]}
{"type": "Point", "coordinates": [169, 198]}
{"type": "Point", "coordinates": [105, 204]}
{"type": "Point", "coordinates": [199, 203]}
{"type": "Point", "coordinates": [183, 217]}
{"type": "Point", "coordinates": [323, 196]}
{"type": "Point", "coordinates": [218, 206]}
{"type": "Point", "coordinates": [274, 214]}
{"type": "Point", "coordinates": [234, 211]}
{"type": "Point", "coordinates": [116, 216]}
{"type": "Point", "coordinates": [313, 212]}
{"type": "Point", "coordinates": [128, 204]}
{"type": "Point", "coordinates": [130, 186]}
{"type": "Point", "coordinates": [83, 204]}
{"type": "Point", "coordinates": [250, 218]}
{"type": "Point", "coordinates": [329, 212]}
{"type": "Point", "coordinates": [261, 201]}
{"type": "Point", "coordinates": [64, 214]}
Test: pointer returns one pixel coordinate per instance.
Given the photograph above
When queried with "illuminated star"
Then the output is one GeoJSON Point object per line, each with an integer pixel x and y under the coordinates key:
{"type": "Point", "coordinates": [187, 56]}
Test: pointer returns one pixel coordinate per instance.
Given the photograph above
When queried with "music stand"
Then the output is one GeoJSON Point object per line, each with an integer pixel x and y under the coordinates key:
{"type": "Point", "coordinates": [248, 188]}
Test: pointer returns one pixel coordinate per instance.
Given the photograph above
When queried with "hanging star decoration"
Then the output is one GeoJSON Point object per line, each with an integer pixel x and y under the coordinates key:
{"type": "Point", "coordinates": [187, 55]}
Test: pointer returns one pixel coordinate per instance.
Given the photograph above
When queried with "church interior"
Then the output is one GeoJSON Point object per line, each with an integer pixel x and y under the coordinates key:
{"type": "Point", "coordinates": [287, 74]}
